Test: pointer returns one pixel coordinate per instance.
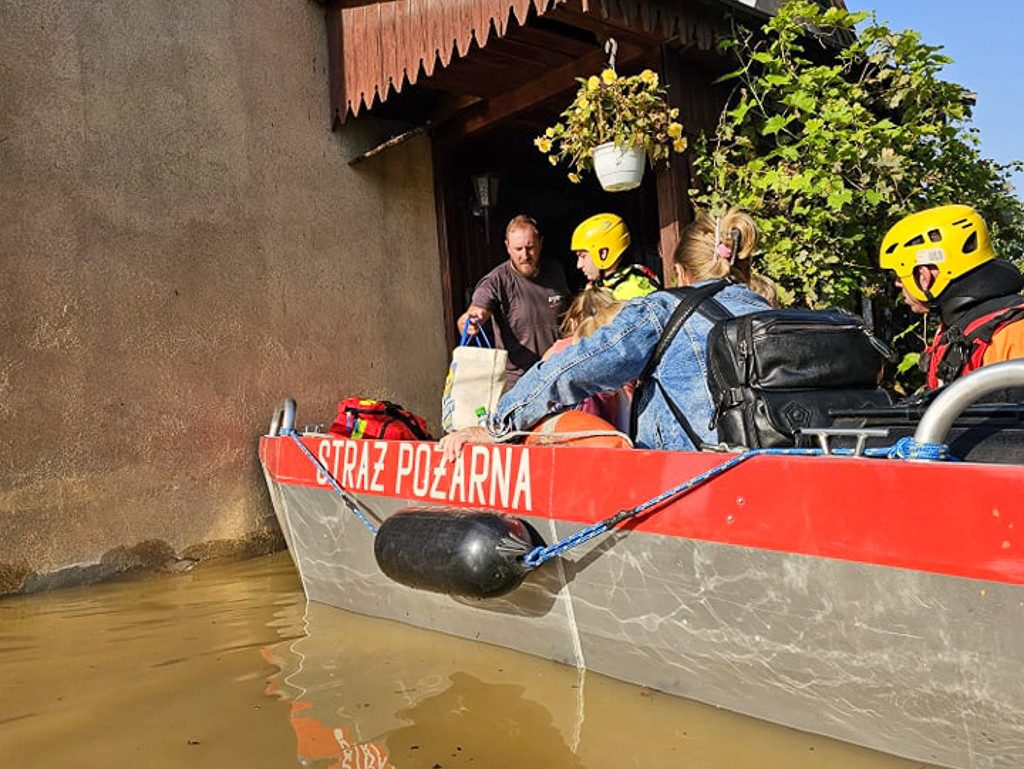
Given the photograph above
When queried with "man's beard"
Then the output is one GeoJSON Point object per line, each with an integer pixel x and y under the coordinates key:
{"type": "Point", "coordinates": [530, 270]}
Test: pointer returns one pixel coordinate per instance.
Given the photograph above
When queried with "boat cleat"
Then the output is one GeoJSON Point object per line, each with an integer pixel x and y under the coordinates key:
{"type": "Point", "coordinates": [861, 434]}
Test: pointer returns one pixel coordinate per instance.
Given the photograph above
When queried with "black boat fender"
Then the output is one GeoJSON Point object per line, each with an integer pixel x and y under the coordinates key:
{"type": "Point", "coordinates": [471, 553]}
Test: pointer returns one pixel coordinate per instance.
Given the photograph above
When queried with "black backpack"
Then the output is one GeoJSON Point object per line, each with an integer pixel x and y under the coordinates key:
{"type": "Point", "coordinates": [773, 372]}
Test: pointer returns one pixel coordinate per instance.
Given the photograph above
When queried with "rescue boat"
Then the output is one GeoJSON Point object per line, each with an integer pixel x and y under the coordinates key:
{"type": "Point", "coordinates": [873, 599]}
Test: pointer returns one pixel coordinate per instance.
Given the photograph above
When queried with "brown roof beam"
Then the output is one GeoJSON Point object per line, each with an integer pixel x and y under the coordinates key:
{"type": "Point", "coordinates": [520, 66]}
{"type": "Point", "coordinates": [603, 28]}
{"type": "Point", "coordinates": [477, 76]}
{"type": "Point", "coordinates": [521, 51]}
{"type": "Point", "coordinates": [468, 84]}
{"type": "Point", "coordinates": [539, 90]}
{"type": "Point", "coordinates": [542, 38]}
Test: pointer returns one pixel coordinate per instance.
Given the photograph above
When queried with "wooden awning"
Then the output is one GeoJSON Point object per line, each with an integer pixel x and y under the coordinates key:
{"type": "Point", "coordinates": [387, 45]}
{"type": "Point", "coordinates": [379, 47]}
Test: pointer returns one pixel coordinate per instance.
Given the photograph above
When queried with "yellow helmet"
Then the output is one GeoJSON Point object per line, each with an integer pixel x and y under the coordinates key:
{"type": "Point", "coordinates": [953, 238]}
{"type": "Point", "coordinates": [603, 236]}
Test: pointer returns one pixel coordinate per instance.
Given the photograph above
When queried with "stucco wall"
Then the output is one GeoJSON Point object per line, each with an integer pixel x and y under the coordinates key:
{"type": "Point", "coordinates": [182, 244]}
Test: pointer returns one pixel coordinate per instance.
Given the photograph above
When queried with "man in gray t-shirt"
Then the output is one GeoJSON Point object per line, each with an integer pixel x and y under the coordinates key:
{"type": "Point", "coordinates": [525, 296]}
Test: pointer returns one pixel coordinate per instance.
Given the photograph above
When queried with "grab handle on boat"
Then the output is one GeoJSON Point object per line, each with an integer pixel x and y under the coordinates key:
{"type": "Point", "coordinates": [283, 419]}
{"type": "Point", "coordinates": [951, 402]}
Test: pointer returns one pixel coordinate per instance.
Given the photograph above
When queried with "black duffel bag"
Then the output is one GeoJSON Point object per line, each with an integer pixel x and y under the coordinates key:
{"type": "Point", "coordinates": [774, 372]}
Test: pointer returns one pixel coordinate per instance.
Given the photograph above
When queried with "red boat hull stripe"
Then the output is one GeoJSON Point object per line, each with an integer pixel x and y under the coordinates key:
{"type": "Point", "coordinates": [958, 519]}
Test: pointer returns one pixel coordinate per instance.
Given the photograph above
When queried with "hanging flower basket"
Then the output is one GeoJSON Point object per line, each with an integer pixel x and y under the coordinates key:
{"type": "Point", "coordinates": [625, 116]}
{"type": "Point", "coordinates": [619, 168]}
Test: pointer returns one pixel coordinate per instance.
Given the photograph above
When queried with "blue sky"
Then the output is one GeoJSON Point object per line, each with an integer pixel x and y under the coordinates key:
{"type": "Point", "coordinates": [985, 39]}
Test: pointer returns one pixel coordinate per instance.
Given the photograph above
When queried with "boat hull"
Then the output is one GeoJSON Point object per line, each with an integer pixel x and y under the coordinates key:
{"type": "Point", "coordinates": [871, 601]}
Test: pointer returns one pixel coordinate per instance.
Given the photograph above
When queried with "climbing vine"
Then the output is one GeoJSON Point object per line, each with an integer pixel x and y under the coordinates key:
{"type": "Point", "coordinates": [838, 126]}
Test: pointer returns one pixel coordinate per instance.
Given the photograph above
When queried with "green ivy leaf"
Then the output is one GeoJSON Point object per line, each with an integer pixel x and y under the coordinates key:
{"type": "Point", "coordinates": [774, 124]}
{"type": "Point", "coordinates": [829, 146]}
{"type": "Point", "coordinates": [802, 101]}
{"type": "Point", "coordinates": [909, 361]}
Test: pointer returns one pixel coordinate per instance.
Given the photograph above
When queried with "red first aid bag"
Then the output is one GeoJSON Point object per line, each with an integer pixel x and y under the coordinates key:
{"type": "Point", "coordinates": [368, 418]}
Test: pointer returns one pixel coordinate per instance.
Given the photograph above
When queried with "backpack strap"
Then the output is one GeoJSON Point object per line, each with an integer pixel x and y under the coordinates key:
{"type": "Point", "coordinates": [406, 418]}
{"type": "Point", "coordinates": [960, 347]}
{"type": "Point", "coordinates": [714, 310]}
{"type": "Point", "coordinates": [691, 299]}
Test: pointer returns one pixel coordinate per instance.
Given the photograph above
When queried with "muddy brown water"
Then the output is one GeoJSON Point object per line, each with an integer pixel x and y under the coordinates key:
{"type": "Point", "coordinates": [227, 666]}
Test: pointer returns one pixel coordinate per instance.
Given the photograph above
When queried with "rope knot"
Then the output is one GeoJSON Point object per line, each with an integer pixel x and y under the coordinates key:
{"type": "Point", "coordinates": [534, 558]}
{"type": "Point", "coordinates": [908, 448]}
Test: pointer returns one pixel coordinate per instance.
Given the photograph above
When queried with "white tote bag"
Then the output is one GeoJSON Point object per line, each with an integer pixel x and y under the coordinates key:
{"type": "Point", "coordinates": [476, 380]}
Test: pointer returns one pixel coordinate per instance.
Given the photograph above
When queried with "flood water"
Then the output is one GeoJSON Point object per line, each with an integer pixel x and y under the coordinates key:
{"type": "Point", "coordinates": [227, 666]}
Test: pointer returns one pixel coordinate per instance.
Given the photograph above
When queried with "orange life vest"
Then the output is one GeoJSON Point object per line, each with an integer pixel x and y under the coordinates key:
{"type": "Point", "coordinates": [960, 348]}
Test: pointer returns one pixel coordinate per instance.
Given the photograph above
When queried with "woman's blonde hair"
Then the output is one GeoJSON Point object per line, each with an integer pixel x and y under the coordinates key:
{"type": "Point", "coordinates": [719, 247]}
{"type": "Point", "coordinates": [593, 307]}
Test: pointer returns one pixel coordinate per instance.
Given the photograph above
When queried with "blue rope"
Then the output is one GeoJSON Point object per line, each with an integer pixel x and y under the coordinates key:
{"type": "Point", "coordinates": [350, 503]}
{"type": "Point", "coordinates": [904, 448]}
{"type": "Point", "coordinates": [908, 448]}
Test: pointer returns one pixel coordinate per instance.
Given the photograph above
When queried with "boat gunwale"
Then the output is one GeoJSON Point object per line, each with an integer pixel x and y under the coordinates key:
{"type": "Point", "coordinates": [815, 506]}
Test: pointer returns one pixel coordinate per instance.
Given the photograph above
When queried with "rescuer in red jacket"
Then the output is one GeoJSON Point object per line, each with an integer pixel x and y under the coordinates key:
{"type": "Point", "coordinates": [943, 260]}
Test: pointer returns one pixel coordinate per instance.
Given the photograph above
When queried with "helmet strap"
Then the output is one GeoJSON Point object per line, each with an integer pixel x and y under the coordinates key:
{"type": "Point", "coordinates": [926, 291]}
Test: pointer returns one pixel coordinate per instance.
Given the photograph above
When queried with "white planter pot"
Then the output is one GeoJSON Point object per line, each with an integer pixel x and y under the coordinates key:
{"type": "Point", "coordinates": [619, 168]}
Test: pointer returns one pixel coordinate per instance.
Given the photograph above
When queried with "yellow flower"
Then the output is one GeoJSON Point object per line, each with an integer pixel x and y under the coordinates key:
{"type": "Point", "coordinates": [650, 122]}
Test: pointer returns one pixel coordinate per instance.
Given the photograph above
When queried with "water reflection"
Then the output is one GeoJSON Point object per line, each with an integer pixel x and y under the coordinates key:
{"type": "Point", "coordinates": [370, 693]}
{"type": "Point", "coordinates": [228, 666]}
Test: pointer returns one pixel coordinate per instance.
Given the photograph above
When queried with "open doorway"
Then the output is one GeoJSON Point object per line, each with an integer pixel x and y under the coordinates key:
{"type": "Point", "coordinates": [510, 72]}
{"type": "Point", "coordinates": [522, 181]}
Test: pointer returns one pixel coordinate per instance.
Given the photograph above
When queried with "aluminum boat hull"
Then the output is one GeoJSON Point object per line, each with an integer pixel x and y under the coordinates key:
{"type": "Point", "coordinates": [874, 601]}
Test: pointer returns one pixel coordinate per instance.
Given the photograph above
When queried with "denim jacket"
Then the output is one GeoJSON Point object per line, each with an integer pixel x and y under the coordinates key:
{"type": "Point", "coordinates": [616, 354]}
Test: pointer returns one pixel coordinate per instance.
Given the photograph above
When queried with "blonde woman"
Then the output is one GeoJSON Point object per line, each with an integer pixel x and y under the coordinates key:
{"type": "Point", "coordinates": [720, 247]}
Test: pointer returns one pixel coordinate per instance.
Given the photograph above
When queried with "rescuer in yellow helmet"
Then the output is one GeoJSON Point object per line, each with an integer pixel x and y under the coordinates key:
{"type": "Point", "coordinates": [943, 260]}
{"type": "Point", "coordinates": [600, 243]}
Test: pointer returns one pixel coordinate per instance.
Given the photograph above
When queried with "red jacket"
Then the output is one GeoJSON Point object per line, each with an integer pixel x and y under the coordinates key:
{"type": "Point", "coordinates": [993, 337]}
